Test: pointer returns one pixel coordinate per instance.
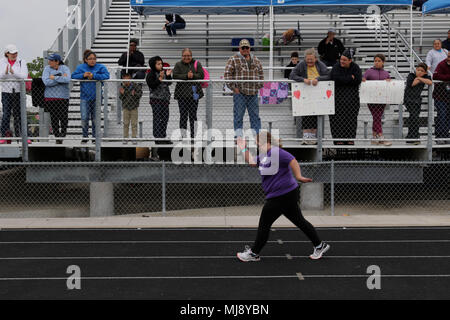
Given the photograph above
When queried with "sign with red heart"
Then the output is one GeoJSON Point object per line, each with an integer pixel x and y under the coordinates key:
{"type": "Point", "coordinates": [309, 100]}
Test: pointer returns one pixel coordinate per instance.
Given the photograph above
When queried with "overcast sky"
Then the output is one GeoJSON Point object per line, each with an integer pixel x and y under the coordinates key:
{"type": "Point", "coordinates": [31, 25]}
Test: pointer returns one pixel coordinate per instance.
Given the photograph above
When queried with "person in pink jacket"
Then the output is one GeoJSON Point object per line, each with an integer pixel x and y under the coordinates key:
{"type": "Point", "coordinates": [377, 73]}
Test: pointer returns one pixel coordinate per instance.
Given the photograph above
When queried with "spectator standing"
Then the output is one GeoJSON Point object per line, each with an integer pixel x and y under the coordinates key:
{"type": "Point", "coordinates": [56, 77]}
{"type": "Point", "coordinates": [441, 96]}
{"type": "Point", "coordinates": [377, 72]}
{"type": "Point", "coordinates": [130, 93]}
{"type": "Point", "coordinates": [12, 68]}
{"type": "Point", "coordinates": [347, 77]}
{"type": "Point", "coordinates": [89, 70]}
{"type": "Point", "coordinates": [435, 55]}
{"type": "Point", "coordinates": [245, 66]}
{"type": "Point", "coordinates": [310, 71]}
{"type": "Point", "coordinates": [135, 58]}
{"type": "Point", "coordinates": [330, 48]}
{"type": "Point", "coordinates": [415, 83]}
{"type": "Point", "coordinates": [293, 63]}
{"type": "Point", "coordinates": [188, 93]}
{"type": "Point", "coordinates": [173, 23]}
{"type": "Point", "coordinates": [446, 42]}
{"type": "Point", "coordinates": [159, 96]}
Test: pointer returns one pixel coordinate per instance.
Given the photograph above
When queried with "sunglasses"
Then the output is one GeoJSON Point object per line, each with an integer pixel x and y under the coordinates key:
{"type": "Point", "coordinates": [245, 48]}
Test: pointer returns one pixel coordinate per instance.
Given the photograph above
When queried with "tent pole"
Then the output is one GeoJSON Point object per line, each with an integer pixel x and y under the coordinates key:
{"type": "Point", "coordinates": [129, 38]}
{"type": "Point", "coordinates": [411, 36]}
{"type": "Point", "coordinates": [421, 35]}
{"type": "Point", "coordinates": [271, 44]}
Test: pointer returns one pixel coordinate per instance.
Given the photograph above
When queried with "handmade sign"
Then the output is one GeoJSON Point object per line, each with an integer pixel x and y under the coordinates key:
{"type": "Point", "coordinates": [382, 92]}
{"type": "Point", "coordinates": [274, 92]}
{"type": "Point", "coordinates": [309, 100]}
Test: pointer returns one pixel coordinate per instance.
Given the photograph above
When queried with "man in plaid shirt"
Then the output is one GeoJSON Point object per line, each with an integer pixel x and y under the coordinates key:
{"type": "Point", "coordinates": [245, 66]}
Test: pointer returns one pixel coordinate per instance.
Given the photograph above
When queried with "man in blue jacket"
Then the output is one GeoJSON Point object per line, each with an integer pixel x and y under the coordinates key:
{"type": "Point", "coordinates": [89, 70]}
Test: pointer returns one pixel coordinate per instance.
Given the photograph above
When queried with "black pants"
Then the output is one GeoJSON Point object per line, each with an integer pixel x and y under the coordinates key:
{"type": "Point", "coordinates": [160, 117]}
{"type": "Point", "coordinates": [413, 121]}
{"type": "Point", "coordinates": [188, 110]}
{"type": "Point", "coordinates": [11, 104]}
{"type": "Point", "coordinates": [59, 115]}
{"type": "Point", "coordinates": [344, 123]}
{"type": "Point", "coordinates": [287, 205]}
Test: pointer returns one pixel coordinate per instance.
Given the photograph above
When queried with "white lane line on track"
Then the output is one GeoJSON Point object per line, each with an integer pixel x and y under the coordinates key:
{"type": "Point", "coordinates": [217, 257]}
{"type": "Point", "coordinates": [215, 241]}
{"type": "Point", "coordinates": [234, 277]}
{"type": "Point", "coordinates": [228, 229]}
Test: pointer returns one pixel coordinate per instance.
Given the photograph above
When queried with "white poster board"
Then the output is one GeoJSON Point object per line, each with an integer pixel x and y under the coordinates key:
{"type": "Point", "coordinates": [309, 100]}
{"type": "Point", "coordinates": [382, 92]}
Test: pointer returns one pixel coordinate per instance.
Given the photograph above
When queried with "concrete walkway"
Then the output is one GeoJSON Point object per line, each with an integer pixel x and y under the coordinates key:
{"type": "Point", "coordinates": [223, 222]}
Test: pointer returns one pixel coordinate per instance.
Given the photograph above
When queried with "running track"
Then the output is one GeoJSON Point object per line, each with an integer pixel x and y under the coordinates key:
{"type": "Point", "coordinates": [201, 264]}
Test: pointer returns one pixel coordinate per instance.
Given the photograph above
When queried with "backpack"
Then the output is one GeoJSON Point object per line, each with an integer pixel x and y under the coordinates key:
{"type": "Point", "coordinates": [206, 73]}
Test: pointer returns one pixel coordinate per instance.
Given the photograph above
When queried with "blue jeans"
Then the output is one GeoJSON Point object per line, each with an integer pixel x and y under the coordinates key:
{"type": "Point", "coordinates": [241, 103]}
{"type": "Point", "coordinates": [87, 108]}
{"type": "Point", "coordinates": [171, 28]}
{"type": "Point", "coordinates": [11, 103]}
{"type": "Point", "coordinates": [442, 120]}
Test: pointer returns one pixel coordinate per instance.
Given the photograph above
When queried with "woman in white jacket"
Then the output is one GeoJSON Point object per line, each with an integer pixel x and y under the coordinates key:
{"type": "Point", "coordinates": [11, 68]}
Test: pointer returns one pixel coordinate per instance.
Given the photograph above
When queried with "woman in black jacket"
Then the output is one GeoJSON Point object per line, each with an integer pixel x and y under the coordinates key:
{"type": "Point", "coordinates": [159, 95]}
{"type": "Point", "coordinates": [347, 77]}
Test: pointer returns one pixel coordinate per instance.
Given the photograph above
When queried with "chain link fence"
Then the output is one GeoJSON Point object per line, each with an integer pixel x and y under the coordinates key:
{"type": "Point", "coordinates": [92, 121]}
{"type": "Point", "coordinates": [159, 188]}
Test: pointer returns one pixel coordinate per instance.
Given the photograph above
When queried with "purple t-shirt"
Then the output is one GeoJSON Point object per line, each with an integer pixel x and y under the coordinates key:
{"type": "Point", "coordinates": [277, 177]}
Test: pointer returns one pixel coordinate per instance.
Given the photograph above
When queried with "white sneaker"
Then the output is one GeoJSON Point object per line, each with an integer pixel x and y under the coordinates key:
{"type": "Point", "coordinates": [170, 40]}
{"type": "Point", "coordinates": [248, 255]}
{"type": "Point", "coordinates": [175, 40]}
{"type": "Point", "coordinates": [318, 252]}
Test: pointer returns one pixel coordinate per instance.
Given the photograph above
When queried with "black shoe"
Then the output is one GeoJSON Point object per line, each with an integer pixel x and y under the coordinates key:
{"type": "Point", "coordinates": [415, 142]}
{"type": "Point", "coordinates": [84, 141]}
{"type": "Point", "coordinates": [59, 141]}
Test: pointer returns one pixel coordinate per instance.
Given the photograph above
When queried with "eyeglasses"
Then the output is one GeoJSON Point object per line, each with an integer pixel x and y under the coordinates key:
{"type": "Point", "coordinates": [186, 56]}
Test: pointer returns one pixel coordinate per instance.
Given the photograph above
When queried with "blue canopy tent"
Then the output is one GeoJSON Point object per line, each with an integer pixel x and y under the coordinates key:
{"type": "Point", "coordinates": [186, 7]}
{"type": "Point", "coordinates": [158, 7]}
{"type": "Point", "coordinates": [436, 6]}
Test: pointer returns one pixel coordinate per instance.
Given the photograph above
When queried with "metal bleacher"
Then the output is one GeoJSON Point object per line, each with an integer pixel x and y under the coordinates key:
{"type": "Point", "coordinates": [210, 36]}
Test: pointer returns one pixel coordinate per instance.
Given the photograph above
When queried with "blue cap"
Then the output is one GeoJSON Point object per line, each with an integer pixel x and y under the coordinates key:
{"type": "Point", "coordinates": [54, 57]}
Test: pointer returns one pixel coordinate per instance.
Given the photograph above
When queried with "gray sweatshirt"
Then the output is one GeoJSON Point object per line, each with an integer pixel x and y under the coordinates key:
{"type": "Point", "coordinates": [434, 57]}
{"type": "Point", "coordinates": [299, 73]}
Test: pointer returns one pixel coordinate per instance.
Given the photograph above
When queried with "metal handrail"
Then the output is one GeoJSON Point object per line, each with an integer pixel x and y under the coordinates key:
{"type": "Point", "coordinates": [79, 32]}
{"type": "Point", "coordinates": [74, 10]}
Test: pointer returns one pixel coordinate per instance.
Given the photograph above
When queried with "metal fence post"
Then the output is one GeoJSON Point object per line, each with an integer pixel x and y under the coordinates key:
{"type": "Point", "coordinates": [209, 105]}
{"type": "Point", "coordinates": [105, 111]}
{"type": "Point", "coordinates": [24, 121]}
{"type": "Point", "coordinates": [98, 121]}
{"type": "Point", "coordinates": [400, 121]}
{"type": "Point", "coordinates": [320, 130]}
{"type": "Point", "coordinates": [118, 101]}
{"type": "Point", "coordinates": [163, 182]}
{"type": "Point", "coordinates": [430, 123]}
{"type": "Point", "coordinates": [332, 187]}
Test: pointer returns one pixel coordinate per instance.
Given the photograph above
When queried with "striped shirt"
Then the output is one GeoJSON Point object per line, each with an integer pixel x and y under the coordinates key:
{"type": "Point", "coordinates": [239, 69]}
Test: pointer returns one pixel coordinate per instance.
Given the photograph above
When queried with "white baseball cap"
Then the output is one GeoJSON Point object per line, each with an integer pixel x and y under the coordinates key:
{"type": "Point", "coordinates": [10, 48]}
